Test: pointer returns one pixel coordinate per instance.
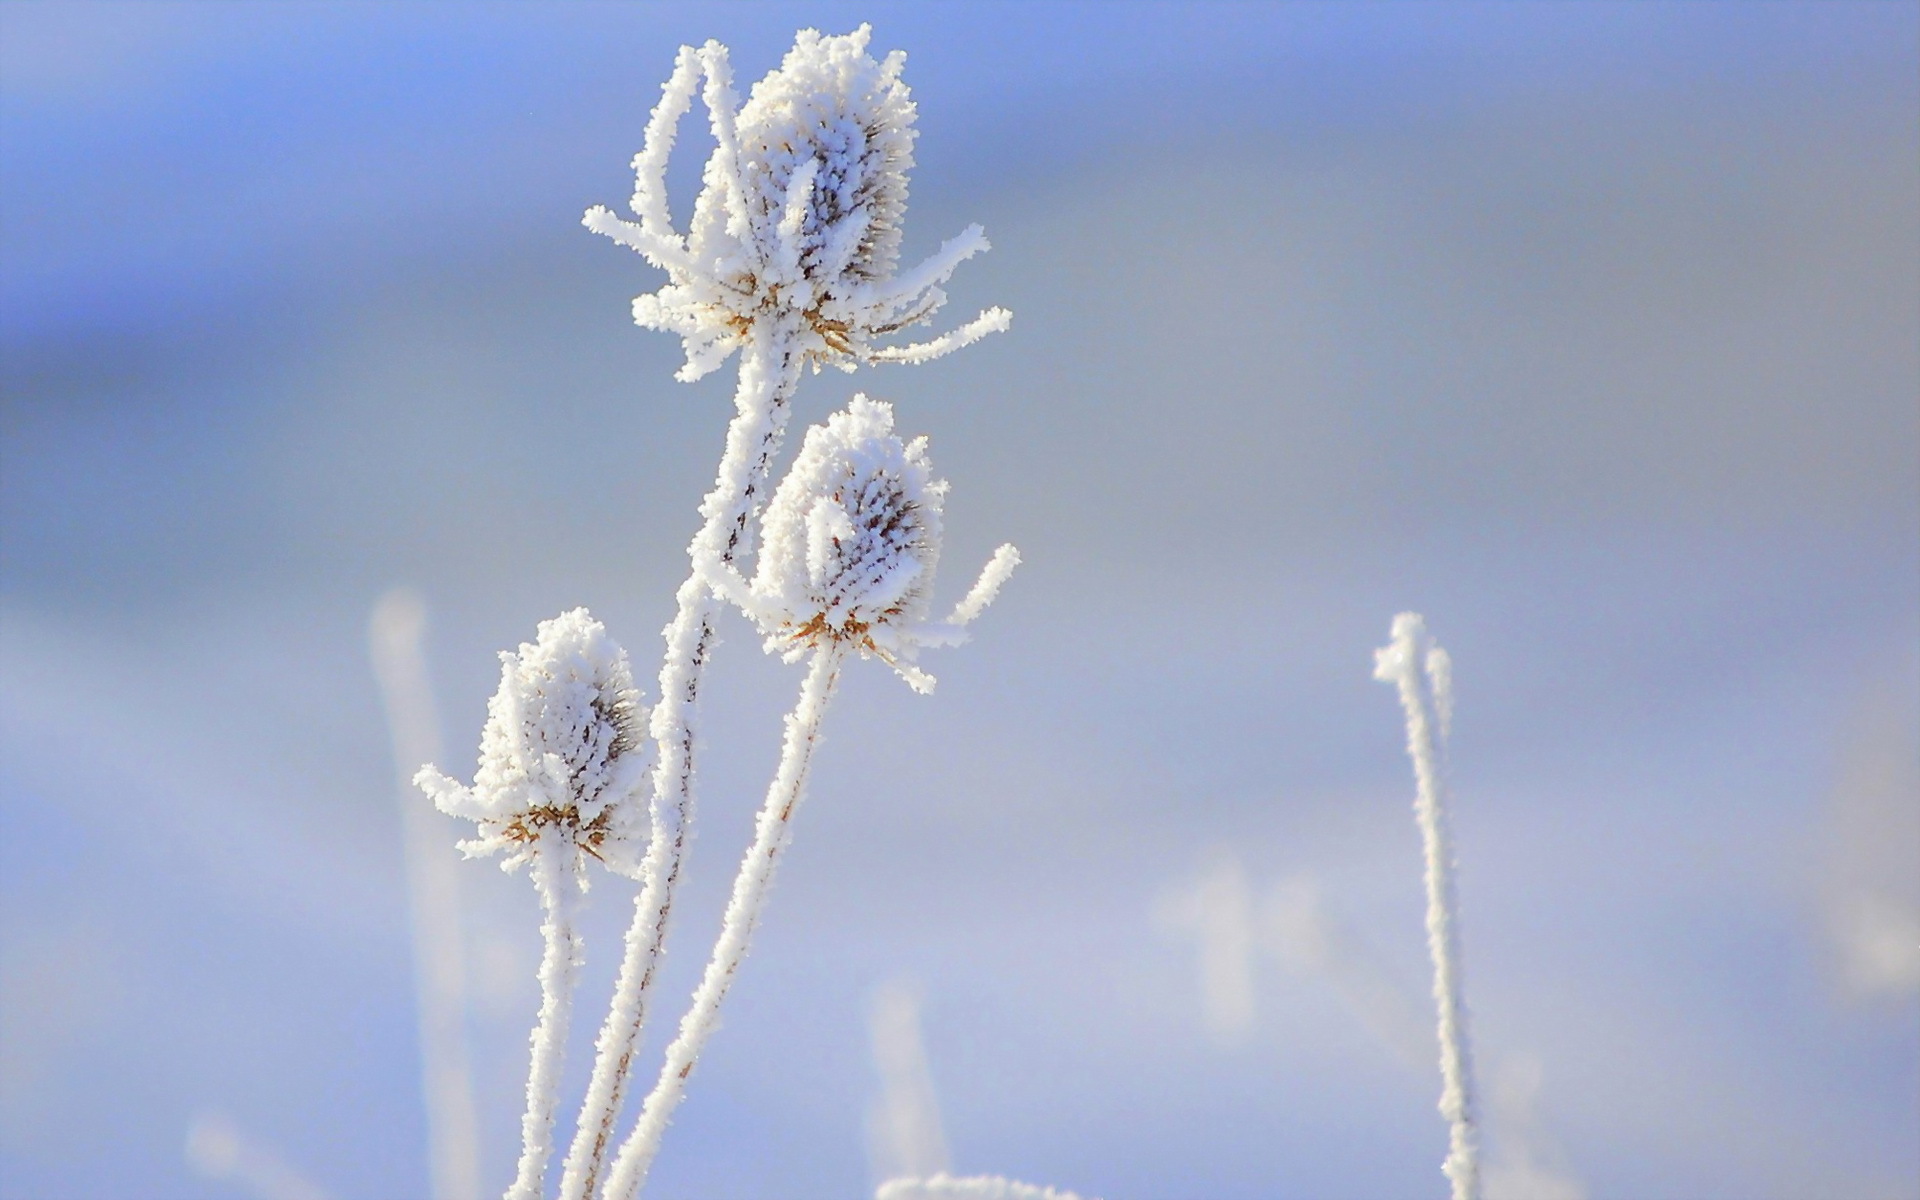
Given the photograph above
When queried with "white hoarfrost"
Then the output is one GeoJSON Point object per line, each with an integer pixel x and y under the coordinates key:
{"type": "Point", "coordinates": [562, 763]}
{"type": "Point", "coordinates": [849, 546]}
{"type": "Point", "coordinates": [790, 258]}
{"type": "Point", "coordinates": [562, 757]}
{"type": "Point", "coordinates": [1423, 673]}
{"type": "Point", "coordinates": [799, 219]}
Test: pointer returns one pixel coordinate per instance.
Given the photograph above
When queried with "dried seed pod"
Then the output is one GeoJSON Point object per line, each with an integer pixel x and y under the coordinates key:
{"type": "Point", "coordinates": [799, 220]}
{"type": "Point", "coordinates": [563, 756]}
{"type": "Point", "coordinates": [849, 545]}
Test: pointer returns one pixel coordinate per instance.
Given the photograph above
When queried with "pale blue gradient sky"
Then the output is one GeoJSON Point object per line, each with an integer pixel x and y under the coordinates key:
{"type": "Point", "coordinates": [1586, 329]}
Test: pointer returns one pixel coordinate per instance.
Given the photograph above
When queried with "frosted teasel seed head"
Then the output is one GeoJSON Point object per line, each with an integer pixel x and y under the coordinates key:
{"type": "Point", "coordinates": [563, 756]}
{"type": "Point", "coordinates": [849, 544]}
{"type": "Point", "coordinates": [799, 217]}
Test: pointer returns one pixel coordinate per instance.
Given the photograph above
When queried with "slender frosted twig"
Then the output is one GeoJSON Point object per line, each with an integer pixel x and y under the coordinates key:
{"type": "Point", "coordinates": [772, 833]}
{"type": "Point", "coordinates": [650, 164]}
{"type": "Point", "coordinates": [1428, 701]}
{"type": "Point", "coordinates": [554, 876]}
{"type": "Point", "coordinates": [768, 376]}
{"type": "Point", "coordinates": [433, 900]}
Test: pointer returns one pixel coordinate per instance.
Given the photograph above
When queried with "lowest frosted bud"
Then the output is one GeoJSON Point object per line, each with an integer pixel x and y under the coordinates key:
{"type": "Point", "coordinates": [799, 220]}
{"type": "Point", "coordinates": [849, 544]}
{"type": "Point", "coordinates": [563, 754]}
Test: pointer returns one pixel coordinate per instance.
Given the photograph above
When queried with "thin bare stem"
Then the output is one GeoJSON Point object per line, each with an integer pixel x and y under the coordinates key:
{"type": "Point", "coordinates": [769, 374]}
{"type": "Point", "coordinates": [1428, 701]}
{"type": "Point", "coordinates": [553, 875]}
{"type": "Point", "coordinates": [772, 833]}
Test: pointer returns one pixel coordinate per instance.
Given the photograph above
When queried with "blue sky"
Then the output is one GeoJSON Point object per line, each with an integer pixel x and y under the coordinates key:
{"type": "Point", "coordinates": [1585, 329]}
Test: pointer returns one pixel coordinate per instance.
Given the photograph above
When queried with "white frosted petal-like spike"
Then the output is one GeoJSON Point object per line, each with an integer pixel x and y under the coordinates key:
{"type": "Point", "coordinates": [993, 320]}
{"type": "Point", "coordinates": [723, 110]}
{"type": "Point", "coordinates": [993, 576]}
{"type": "Point", "coordinates": [650, 165]}
{"type": "Point", "coordinates": [788, 243]}
{"type": "Point", "coordinates": [937, 269]}
{"type": "Point", "coordinates": [664, 251]}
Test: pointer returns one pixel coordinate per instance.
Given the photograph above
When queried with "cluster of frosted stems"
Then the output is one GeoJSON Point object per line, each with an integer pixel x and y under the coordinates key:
{"type": "Point", "coordinates": [791, 257]}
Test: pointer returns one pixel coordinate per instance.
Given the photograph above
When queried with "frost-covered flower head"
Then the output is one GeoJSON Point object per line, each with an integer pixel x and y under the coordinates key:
{"type": "Point", "coordinates": [849, 544]}
{"type": "Point", "coordinates": [799, 217]}
{"type": "Point", "coordinates": [563, 755]}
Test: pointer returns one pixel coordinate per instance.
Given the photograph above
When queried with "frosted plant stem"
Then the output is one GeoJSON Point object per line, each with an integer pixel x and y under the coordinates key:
{"type": "Point", "coordinates": [772, 833]}
{"type": "Point", "coordinates": [1428, 702]}
{"type": "Point", "coordinates": [559, 965]}
{"type": "Point", "coordinates": [769, 373]}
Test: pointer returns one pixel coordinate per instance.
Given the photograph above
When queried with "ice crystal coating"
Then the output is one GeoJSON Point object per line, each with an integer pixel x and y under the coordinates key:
{"type": "Point", "coordinates": [799, 217]}
{"type": "Point", "coordinates": [849, 544]}
{"type": "Point", "coordinates": [852, 536]}
{"type": "Point", "coordinates": [563, 755]}
{"type": "Point", "coordinates": [1428, 703]}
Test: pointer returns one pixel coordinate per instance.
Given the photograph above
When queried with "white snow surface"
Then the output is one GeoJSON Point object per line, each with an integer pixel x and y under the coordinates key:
{"type": "Point", "coordinates": [799, 217]}
{"type": "Point", "coordinates": [563, 754]}
{"type": "Point", "coordinates": [967, 1187]}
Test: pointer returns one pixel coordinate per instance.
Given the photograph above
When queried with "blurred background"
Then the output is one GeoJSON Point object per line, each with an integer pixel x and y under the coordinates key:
{"type": "Point", "coordinates": [1587, 330]}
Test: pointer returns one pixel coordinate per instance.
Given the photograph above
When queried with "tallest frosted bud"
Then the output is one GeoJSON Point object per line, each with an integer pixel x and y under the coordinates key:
{"type": "Point", "coordinates": [826, 143]}
{"type": "Point", "coordinates": [796, 231]}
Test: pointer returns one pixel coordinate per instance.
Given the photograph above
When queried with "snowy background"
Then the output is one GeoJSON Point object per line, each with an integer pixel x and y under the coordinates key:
{"type": "Point", "coordinates": [1588, 331]}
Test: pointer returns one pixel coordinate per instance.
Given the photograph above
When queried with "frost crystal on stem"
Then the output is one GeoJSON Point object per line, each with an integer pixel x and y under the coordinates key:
{"type": "Point", "coordinates": [562, 761]}
{"type": "Point", "coordinates": [849, 544]}
{"type": "Point", "coordinates": [773, 832]}
{"type": "Point", "coordinates": [1428, 701]}
{"type": "Point", "coordinates": [799, 218]}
